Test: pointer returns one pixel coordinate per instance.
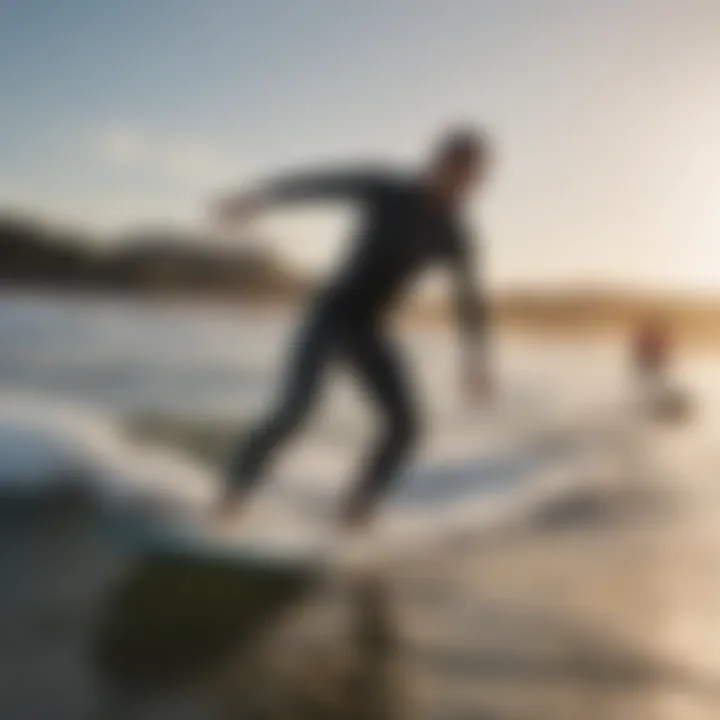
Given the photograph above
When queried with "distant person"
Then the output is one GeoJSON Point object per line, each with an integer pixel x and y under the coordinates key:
{"type": "Point", "coordinates": [410, 222]}
{"type": "Point", "coordinates": [652, 351]}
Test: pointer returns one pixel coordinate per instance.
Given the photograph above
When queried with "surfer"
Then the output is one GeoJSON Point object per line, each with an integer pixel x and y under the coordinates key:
{"type": "Point", "coordinates": [411, 222]}
{"type": "Point", "coordinates": [652, 353]}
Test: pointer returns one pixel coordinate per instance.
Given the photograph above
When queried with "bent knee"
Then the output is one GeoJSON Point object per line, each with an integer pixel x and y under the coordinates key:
{"type": "Point", "coordinates": [285, 419]}
{"type": "Point", "coordinates": [404, 431]}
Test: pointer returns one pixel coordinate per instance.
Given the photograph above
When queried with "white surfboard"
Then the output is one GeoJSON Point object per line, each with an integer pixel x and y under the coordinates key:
{"type": "Point", "coordinates": [200, 538]}
{"type": "Point", "coordinates": [279, 547]}
{"type": "Point", "coordinates": [275, 537]}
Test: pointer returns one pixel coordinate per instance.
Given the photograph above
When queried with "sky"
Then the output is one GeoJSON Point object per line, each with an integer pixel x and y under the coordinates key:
{"type": "Point", "coordinates": [605, 115]}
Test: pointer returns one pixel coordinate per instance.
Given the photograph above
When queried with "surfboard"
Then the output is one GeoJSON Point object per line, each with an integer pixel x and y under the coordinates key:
{"type": "Point", "coordinates": [201, 540]}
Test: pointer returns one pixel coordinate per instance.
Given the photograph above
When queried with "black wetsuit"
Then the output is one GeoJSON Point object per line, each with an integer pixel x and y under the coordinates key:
{"type": "Point", "coordinates": [404, 230]}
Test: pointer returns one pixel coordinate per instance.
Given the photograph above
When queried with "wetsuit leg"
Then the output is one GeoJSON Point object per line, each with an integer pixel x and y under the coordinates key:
{"type": "Point", "coordinates": [377, 365]}
{"type": "Point", "coordinates": [304, 377]}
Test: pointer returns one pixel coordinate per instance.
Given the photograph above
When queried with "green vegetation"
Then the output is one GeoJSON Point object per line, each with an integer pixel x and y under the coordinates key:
{"type": "Point", "coordinates": [150, 260]}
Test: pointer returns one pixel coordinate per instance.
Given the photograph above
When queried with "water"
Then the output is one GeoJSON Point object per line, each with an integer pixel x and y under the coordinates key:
{"type": "Point", "coordinates": [152, 393]}
{"type": "Point", "coordinates": [531, 572]}
{"type": "Point", "coordinates": [223, 363]}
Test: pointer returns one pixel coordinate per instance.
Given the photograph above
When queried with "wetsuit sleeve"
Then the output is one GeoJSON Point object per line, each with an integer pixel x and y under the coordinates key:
{"type": "Point", "coordinates": [471, 303]}
{"type": "Point", "coordinates": [332, 185]}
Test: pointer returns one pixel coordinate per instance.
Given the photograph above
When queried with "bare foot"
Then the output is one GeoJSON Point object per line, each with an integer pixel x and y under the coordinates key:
{"type": "Point", "coordinates": [229, 512]}
{"type": "Point", "coordinates": [356, 521]}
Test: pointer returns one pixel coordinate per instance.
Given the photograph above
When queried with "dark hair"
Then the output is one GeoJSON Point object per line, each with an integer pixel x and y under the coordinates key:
{"type": "Point", "coordinates": [462, 144]}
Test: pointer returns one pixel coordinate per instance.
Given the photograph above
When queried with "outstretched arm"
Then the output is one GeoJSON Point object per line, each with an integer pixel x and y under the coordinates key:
{"type": "Point", "coordinates": [302, 187]}
{"type": "Point", "coordinates": [335, 185]}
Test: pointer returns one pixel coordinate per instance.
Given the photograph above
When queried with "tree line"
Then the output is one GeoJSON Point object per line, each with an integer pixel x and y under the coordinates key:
{"type": "Point", "coordinates": [36, 254]}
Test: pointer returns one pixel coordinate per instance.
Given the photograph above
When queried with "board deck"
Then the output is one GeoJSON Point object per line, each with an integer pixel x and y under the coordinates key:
{"type": "Point", "coordinates": [201, 541]}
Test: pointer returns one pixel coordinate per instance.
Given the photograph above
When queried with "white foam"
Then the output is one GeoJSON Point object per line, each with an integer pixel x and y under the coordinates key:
{"type": "Point", "coordinates": [45, 443]}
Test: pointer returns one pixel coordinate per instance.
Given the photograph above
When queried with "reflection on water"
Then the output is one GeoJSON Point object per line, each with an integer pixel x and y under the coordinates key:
{"type": "Point", "coordinates": [244, 644]}
{"type": "Point", "coordinates": [234, 634]}
{"type": "Point", "coordinates": [168, 622]}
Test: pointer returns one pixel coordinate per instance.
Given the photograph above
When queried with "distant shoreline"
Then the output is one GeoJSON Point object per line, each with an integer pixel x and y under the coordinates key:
{"type": "Point", "coordinates": [694, 324]}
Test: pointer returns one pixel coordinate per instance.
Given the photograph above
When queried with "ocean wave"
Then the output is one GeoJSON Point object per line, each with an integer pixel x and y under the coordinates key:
{"type": "Point", "coordinates": [160, 467]}
{"type": "Point", "coordinates": [50, 444]}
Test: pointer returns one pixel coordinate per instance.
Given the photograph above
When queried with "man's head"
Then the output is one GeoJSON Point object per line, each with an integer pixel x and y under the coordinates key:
{"type": "Point", "coordinates": [460, 161]}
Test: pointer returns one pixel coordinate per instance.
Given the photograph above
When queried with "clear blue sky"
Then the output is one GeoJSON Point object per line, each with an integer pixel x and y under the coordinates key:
{"type": "Point", "coordinates": [606, 114]}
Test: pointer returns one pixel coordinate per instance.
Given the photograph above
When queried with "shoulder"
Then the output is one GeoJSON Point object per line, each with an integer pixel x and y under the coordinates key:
{"type": "Point", "coordinates": [391, 181]}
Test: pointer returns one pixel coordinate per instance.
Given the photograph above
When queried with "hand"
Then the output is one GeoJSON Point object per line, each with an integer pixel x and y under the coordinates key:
{"type": "Point", "coordinates": [234, 209]}
{"type": "Point", "coordinates": [477, 383]}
